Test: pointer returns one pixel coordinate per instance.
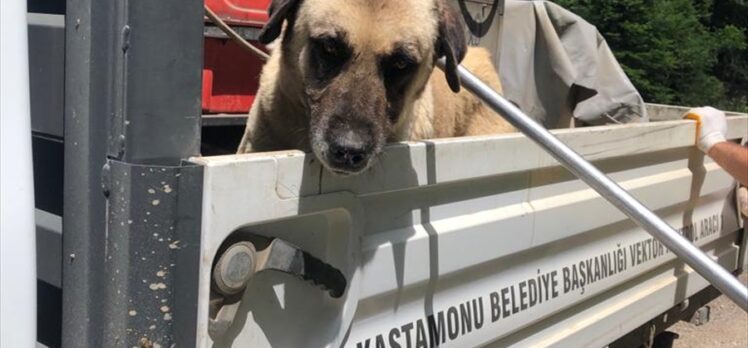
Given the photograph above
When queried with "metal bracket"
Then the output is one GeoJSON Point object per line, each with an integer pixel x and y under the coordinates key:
{"type": "Point", "coordinates": [701, 316]}
{"type": "Point", "coordinates": [151, 254]}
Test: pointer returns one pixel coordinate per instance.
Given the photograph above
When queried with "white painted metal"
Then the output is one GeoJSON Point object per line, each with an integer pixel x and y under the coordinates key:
{"type": "Point", "coordinates": [728, 284]}
{"type": "Point", "coordinates": [17, 234]}
{"type": "Point", "coordinates": [443, 223]}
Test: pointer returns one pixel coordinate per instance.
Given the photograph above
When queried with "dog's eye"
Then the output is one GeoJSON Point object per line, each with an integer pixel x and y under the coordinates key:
{"type": "Point", "coordinates": [328, 55]}
{"type": "Point", "coordinates": [400, 64]}
{"type": "Point", "coordinates": [329, 47]}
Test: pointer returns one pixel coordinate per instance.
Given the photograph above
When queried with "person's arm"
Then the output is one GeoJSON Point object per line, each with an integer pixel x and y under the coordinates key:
{"type": "Point", "coordinates": [733, 158]}
{"type": "Point", "coordinates": [711, 129]}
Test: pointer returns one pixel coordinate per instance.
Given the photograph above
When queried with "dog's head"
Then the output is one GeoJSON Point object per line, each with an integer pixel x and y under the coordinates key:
{"type": "Point", "coordinates": [362, 65]}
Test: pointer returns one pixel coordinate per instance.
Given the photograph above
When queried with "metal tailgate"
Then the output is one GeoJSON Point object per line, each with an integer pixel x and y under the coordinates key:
{"type": "Point", "coordinates": [469, 241]}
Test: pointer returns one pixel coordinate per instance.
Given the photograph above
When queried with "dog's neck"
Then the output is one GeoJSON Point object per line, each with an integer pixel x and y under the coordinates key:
{"type": "Point", "coordinates": [418, 118]}
{"type": "Point", "coordinates": [290, 88]}
{"type": "Point", "coordinates": [289, 103]}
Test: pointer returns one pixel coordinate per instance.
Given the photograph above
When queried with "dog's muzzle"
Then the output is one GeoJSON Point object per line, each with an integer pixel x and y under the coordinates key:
{"type": "Point", "coordinates": [349, 152]}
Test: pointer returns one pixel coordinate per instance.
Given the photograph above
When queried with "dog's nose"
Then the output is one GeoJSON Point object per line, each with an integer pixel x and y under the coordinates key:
{"type": "Point", "coordinates": [349, 149]}
{"type": "Point", "coordinates": [347, 155]}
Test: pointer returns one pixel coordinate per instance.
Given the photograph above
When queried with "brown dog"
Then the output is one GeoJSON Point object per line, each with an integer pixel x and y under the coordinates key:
{"type": "Point", "coordinates": [351, 75]}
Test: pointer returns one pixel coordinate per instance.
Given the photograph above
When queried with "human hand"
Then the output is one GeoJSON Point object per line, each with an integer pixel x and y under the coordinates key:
{"type": "Point", "coordinates": [711, 126]}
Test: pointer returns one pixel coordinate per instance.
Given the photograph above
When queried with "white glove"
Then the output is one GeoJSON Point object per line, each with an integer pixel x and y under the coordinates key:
{"type": "Point", "coordinates": [743, 201]}
{"type": "Point", "coordinates": [711, 126]}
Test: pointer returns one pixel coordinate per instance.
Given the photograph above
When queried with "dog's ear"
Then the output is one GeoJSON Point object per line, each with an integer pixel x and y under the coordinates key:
{"type": "Point", "coordinates": [450, 42]}
{"type": "Point", "coordinates": [279, 11]}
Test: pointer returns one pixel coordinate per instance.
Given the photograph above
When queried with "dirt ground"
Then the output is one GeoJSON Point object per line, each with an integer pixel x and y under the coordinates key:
{"type": "Point", "coordinates": [728, 327]}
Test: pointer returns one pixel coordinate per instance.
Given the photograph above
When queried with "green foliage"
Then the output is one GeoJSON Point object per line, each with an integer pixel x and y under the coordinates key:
{"type": "Point", "coordinates": [687, 52]}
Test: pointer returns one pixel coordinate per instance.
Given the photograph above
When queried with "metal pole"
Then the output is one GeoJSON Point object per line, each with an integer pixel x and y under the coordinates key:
{"type": "Point", "coordinates": [132, 113]}
{"type": "Point", "coordinates": [692, 255]}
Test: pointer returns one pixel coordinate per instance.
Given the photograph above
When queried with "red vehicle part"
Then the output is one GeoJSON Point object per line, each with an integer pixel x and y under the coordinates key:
{"type": "Point", "coordinates": [241, 12]}
{"type": "Point", "coordinates": [231, 74]}
{"type": "Point", "coordinates": [230, 77]}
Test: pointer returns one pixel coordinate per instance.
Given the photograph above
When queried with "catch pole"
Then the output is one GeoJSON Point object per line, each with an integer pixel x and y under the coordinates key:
{"type": "Point", "coordinates": [646, 219]}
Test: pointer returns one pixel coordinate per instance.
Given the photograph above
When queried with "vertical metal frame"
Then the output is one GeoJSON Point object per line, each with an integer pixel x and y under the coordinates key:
{"type": "Point", "coordinates": [132, 114]}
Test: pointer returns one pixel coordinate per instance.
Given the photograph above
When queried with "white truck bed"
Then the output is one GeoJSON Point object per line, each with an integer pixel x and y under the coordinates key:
{"type": "Point", "coordinates": [470, 241]}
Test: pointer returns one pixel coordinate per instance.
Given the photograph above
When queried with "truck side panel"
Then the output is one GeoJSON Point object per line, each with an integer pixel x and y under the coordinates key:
{"type": "Point", "coordinates": [470, 241]}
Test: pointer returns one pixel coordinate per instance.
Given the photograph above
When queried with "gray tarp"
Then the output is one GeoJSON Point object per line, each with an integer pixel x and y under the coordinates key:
{"type": "Point", "coordinates": [554, 65]}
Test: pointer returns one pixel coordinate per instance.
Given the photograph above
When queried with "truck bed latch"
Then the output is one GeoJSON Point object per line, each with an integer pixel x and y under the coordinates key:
{"type": "Point", "coordinates": [241, 261]}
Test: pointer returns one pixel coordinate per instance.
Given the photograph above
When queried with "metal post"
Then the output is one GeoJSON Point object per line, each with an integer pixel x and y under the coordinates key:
{"type": "Point", "coordinates": [131, 204]}
{"type": "Point", "coordinates": [692, 255]}
{"type": "Point", "coordinates": [88, 34]}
